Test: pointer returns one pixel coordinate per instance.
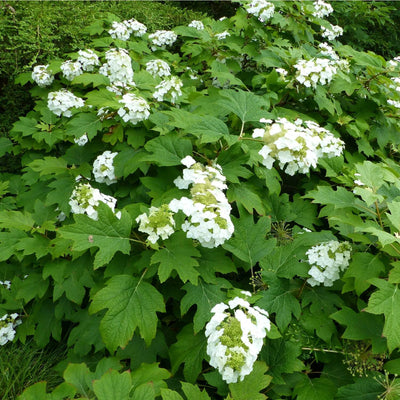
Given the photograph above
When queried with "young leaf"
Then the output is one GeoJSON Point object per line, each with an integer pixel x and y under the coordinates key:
{"type": "Point", "coordinates": [193, 392]}
{"type": "Point", "coordinates": [108, 233]}
{"type": "Point", "coordinates": [132, 303]}
{"type": "Point", "coordinates": [177, 255]}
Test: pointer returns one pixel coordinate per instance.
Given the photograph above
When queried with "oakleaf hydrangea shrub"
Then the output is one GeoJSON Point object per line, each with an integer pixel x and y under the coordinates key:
{"type": "Point", "coordinates": [165, 173]}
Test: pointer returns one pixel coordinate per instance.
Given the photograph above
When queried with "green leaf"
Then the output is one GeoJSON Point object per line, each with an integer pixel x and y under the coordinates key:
{"type": "Point", "coordinates": [205, 297]}
{"type": "Point", "coordinates": [16, 220]}
{"type": "Point", "coordinates": [386, 301]}
{"type": "Point", "coordinates": [279, 299]}
{"type": "Point", "coordinates": [94, 79]}
{"type": "Point", "coordinates": [362, 389]}
{"type": "Point", "coordinates": [8, 243]}
{"type": "Point", "coordinates": [132, 303]}
{"type": "Point", "coordinates": [193, 392]}
{"type": "Point", "coordinates": [190, 350]}
{"type": "Point", "coordinates": [168, 150]}
{"type": "Point", "coordinates": [246, 105]}
{"type": "Point", "coordinates": [150, 374]}
{"type": "Point", "coordinates": [38, 245]}
{"type": "Point", "coordinates": [35, 392]}
{"type": "Point", "coordinates": [5, 146]}
{"type": "Point", "coordinates": [249, 241]}
{"type": "Point", "coordinates": [177, 255]}
{"type": "Point", "coordinates": [210, 130]}
{"type": "Point", "coordinates": [84, 123]}
{"type": "Point", "coordinates": [79, 376]}
{"type": "Point", "coordinates": [324, 103]}
{"type": "Point", "coordinates": [213, 261]}
{"type": "Point", "coordinates": [113, 385]}
{"type": "Point", "coordinates": [168, 394]}
{"type": "Point", "coordinates": [232, 161]}
{"type": "Point", "coordinates": [245, 195]}
{"type": "Point", "coordinates": [315, 389]}
{"type": "Point", "coordinates": [281, 357]}
{"type": "Point", "coordinates": [49, 166]}
{"type": "Point", "coordinates": [102, 98]}
{"type": "Point", "coordinates": [26, 125]}
{"type": "Point", "coordinates": [252, 384]}
{"type": "Point", "coordinates": [340, 198]}
{"type": "Point", "coordinates": [363, 266]}
{"type": "Point", "coordinates": [361, 326]}
{"type": "Point", "coordinates": [108, 233]}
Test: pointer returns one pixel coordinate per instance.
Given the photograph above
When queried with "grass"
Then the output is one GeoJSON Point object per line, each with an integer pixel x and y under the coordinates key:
{"type": "Point", "coordinates": [22, 365]}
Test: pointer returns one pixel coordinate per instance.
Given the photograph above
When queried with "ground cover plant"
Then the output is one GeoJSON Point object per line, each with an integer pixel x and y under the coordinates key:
{"type": "Point", "coordinates": [210, 212]}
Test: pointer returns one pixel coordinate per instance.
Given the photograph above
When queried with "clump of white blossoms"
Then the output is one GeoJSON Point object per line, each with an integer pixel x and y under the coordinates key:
{"type": "Point", "coordinates": [118, 67]}
{"type": "Point", "coordinates": [223, 35]}
{"type": "Point", "coordinates": [82, 140]}
{"type": "Point", "coordinates": [138, 29]}
{"type": "Point", "coordinates": [103, 168]}
{"type": "Point", "coordinates": [197, 25]}
{"type": "Point", "coordinates": [394, 103]}
{"type": "Point", "coordinates": [8, 323]}
{"type": "Point", "coordinates": [42, 76]}
{"type": "Point", "coordinates": [322, 9]}
{"type": "Point", "coordinates": [208, 210]}
{"type": "Point", "coordinates": [135, 108]}
{"type": "Point", "coordinates": [158, 68]}
{"type": "Point", "coordinates": [235, 337]}
{"type": "Point", "coordinates": [123, 30]}
{"type": "Point", "coordinates": [85, 200]}
{"type": "Point", "coordinates": [298, 145]}
{"type": "Point", "coordinates": [88, 59]}
{"type": "Point", "coordinates": [171, 87]}
{"type": "Point", "coordinates": [262, 9]}
{"type": "Point", "coordinates": [61, 102]}
{"type": "Point", "coordinates": [6, 284]}
{"type": "Point", "coordinates": [315, 71]}
{"type": "Point", "coordinates": [161, 39]}
{"type": "Point", "coordinates": [71, 69]}
{"type": "Point", "coordinates": [396, 81]}
{"type": "Point", "coordinates": [159, 223]}
{"type": "Point", "coordinates": [327, 260]}
{"type": "Point", "coordinates": [332, 32]}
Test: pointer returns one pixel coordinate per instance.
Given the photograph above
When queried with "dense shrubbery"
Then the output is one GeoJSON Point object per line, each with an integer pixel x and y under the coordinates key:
{"type": "Point", "coordinates": [36, 32]}
{"type": "Point", "coordinates": [208, 196]}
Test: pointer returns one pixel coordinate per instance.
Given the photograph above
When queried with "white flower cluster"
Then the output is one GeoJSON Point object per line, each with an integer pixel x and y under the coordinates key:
{"type": "Point", "coordinates": [85, 200]}
{"type": "Point", "coordinates": [296, 146]}
{"type": "Point", "coordinates": [331, 33]}
{"type": "Point", "coordinates": [327, 260]}
{"type": "Point", "coordinates": [223, 35]}
{"type": "Point", "coordinates": [328, 51]}
{"type": "Point", "coordinates": [8, 323]}
{"type": "Point", "coordinates": [123, 30]}
{"type": "Point", "coordinates": [315, 71]}
{"type": "Point", "coordinates": [235, 337]}
{"type": "Point", "coordinates": [396, 81]}
{"type": "Point", "coordinates": [208, 210]}
{"type": "Point", "coordinates": [88, 59]}
{"type": "Point", "coordinates": [394, 103]}
{"type": "Point", "coordinates": [170, 86]}
{"type": "Point", "coordinates": [71, 69]}
{"type": "Point", "coordinates": [159, 223]}
{"type": "Point", "coordinates": [158, 68]}
{"type": "Point", "coordinates": [82, 140]}
{"type": "Point", "coordinates": [162, 39]}
{"type": "Point", "coordinates": [42, 76]}
{"type": "Point", "coordinates": [103, 168]}
{"type": "Point", "coordinates": [61, 102]}
{"type": "Point", "coordinates": [118, 67]}
{"type": "Point", "coordinates": [322, 9]}
{"type": "Point", "coordinates": [262, 9]}
{"type": "Point", "coordinates": [6, 284]}
{"type": "Point", "coordinates": [135, 108]}
{"type": "Point", "coordinates": [197, 25]}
